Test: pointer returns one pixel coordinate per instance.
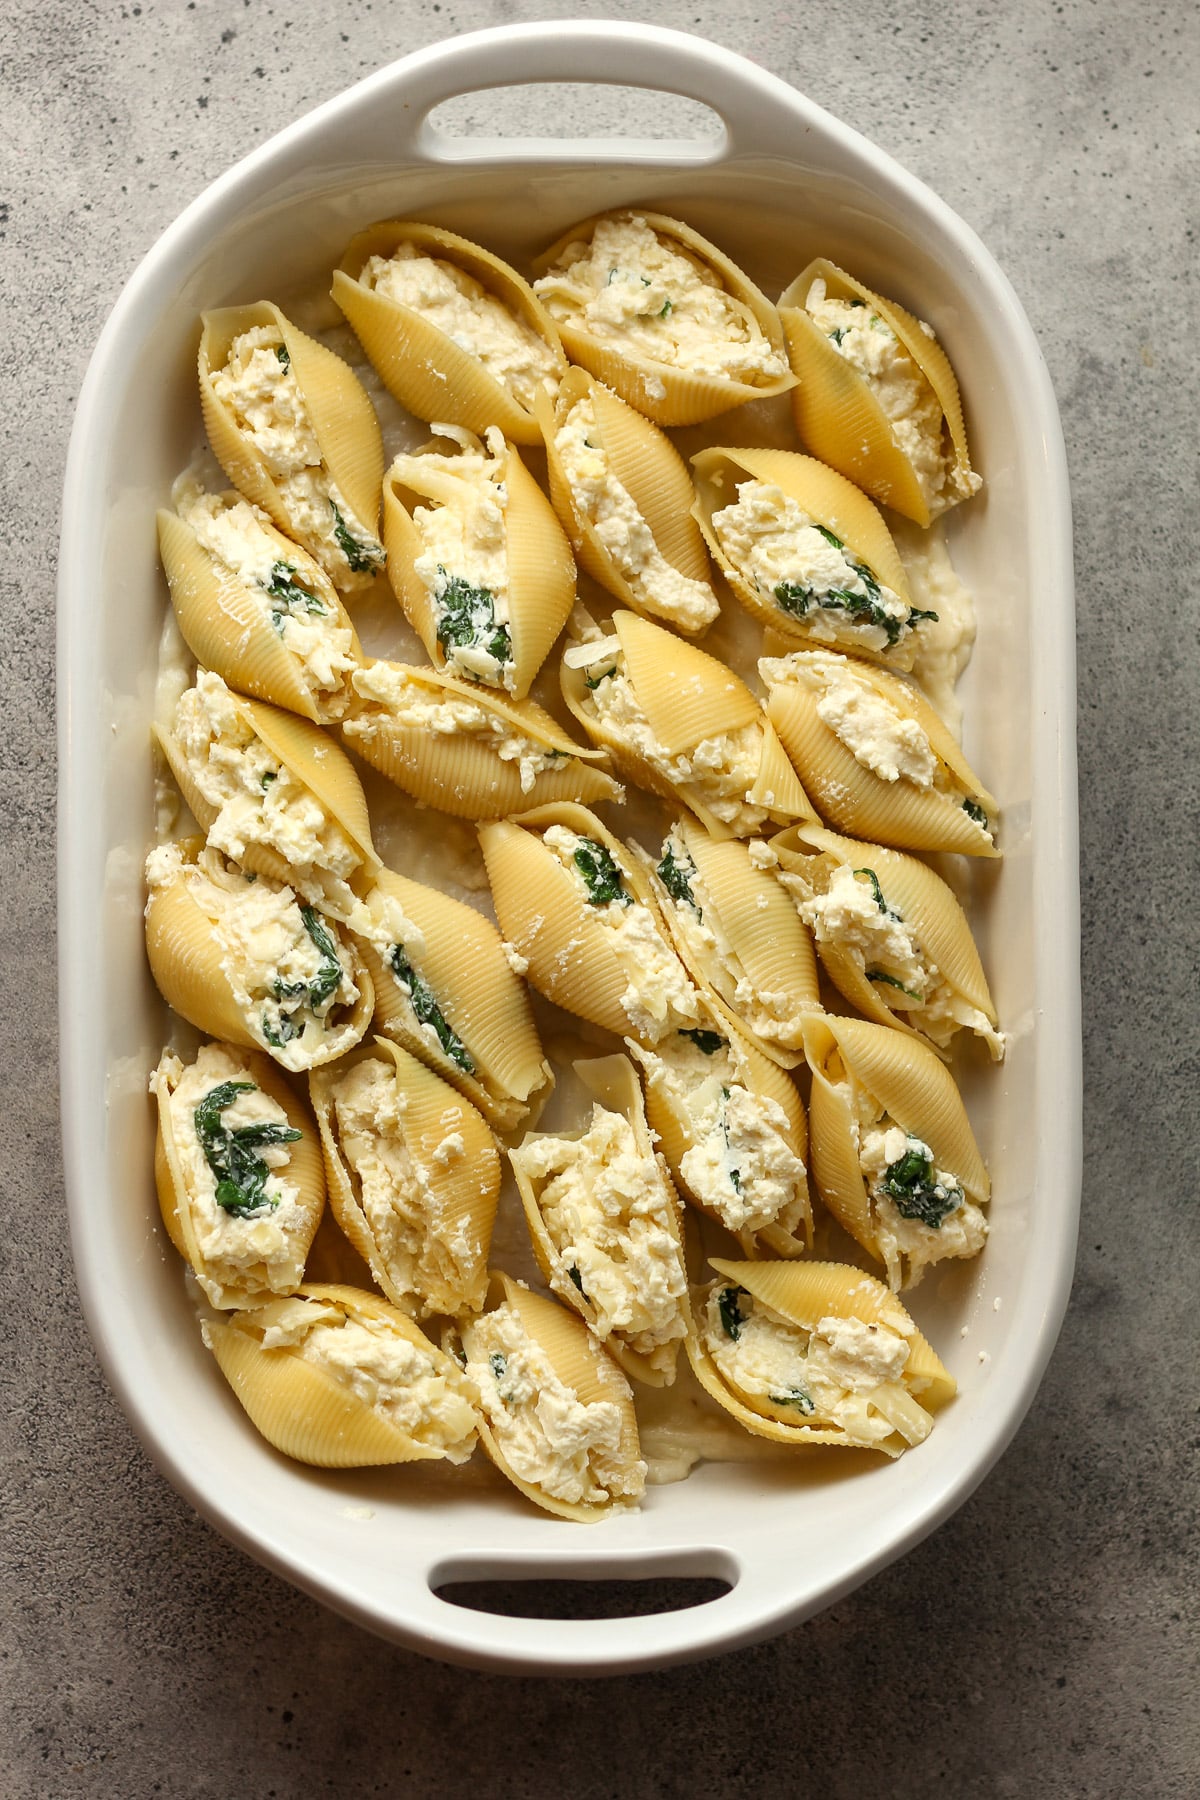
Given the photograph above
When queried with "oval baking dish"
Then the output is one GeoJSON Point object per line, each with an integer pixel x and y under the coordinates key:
{"type": "Point", "coordinates": [783, 182]}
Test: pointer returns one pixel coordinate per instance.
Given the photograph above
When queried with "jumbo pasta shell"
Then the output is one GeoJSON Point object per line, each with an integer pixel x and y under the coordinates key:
{"type": "Point", "coordinates": [742, 940]}
{"type": "Point", "coordinates": [227, 625]}
{"type": "Point", "coordinates": [225, 1283]}
{"type": "Point", "coordinates": [429, 1250]}
{"type": "Point", "coordinates": [836, 411]}
{"type": "Point", "coordinates": [540, 587]}
{"type": "Point", "coordinates": [426, 370]}
{"type": "Point", "coordinates": [685, 697]}
{"type": "Point", "coordinates": [573, 957]}
{"type": "Point", "coordinates": [832, 503]}
{"type": "Point", "coordinates": [305, 1412]}
{"type": "Point", "coordinates": [192, 969]}
{"type": "Point", "coordinates": [676, 1130]}
{"type": "Point", "coordinates": [586, 1369]}
{"type": "Point", "coordinates": [852, 796]}
{"type": "Point", "coordinates": [615, 1085]}
{"type": "Point", "coordinates": [460, 772]}
{"type": "Point", "coordinates": [645, 463]}
{"type": "Point", "coordinates": [341, 415]}
{"type": "Point", "coordinates": [927, 908]}
{"type": "Point", "coordinates": [461, 957]}
{"type": "Point", "coordinates": [323, 770]}
{"type": "Point", "coordinates": [664, 392]}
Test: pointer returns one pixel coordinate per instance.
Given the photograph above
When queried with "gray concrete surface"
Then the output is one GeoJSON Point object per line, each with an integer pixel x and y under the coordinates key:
{"type": "Point", "coordinates": [1043, 1642]}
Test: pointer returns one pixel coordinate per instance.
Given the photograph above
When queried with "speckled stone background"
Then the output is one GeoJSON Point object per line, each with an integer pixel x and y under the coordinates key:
{"type": "Point", "coordinates": [1043, 1642]}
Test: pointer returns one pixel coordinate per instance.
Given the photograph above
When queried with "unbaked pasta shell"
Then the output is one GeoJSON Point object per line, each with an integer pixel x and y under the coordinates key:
{"type": "Point", "coordinates": [421, 365]}
{"type": "Point", "coordinates": [662, 392]}
{"type": "Point", "coordinates": [304, 1171]}
{"type": "Point", "coordinates": [836, 412]}
{"type": "Point", "coordinates": [303, 1411]}
{"type": "Point", "coordinates": [466, 1188]}
{"type": "Point", "coordinates": [226, 622]}
{"type": "Point", "coordinates": [343, 419]}
{"type": "Point", "coordinates": [615, 1084]}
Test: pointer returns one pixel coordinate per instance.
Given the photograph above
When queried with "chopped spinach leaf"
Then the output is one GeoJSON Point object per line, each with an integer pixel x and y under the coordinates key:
{"type": "Point", "coordinates": [577, 1278]}
{"type": "Point", "coordinates": [880, 902]}
{"type": "Point", "coordinates": [289, 598]}
{"type": "Point", "coordinates": [466, 617]}
{"type": "Point", "coordinates": [269, 775]}
{"type": "Point", "coordinates": [677, 875]}
{"type": "Point", "coordinates": [911, 1185]}
{"type": "Point", "coordinates": [229, 1151]}
{"type": "Point", "coordinates": [593, 681]}
{"type": "Point", "coordinates": [601, 876]}
{"type": "Point", "coordinates": [829, 536]}
{"type": "Point", "coordinates": [428, 1012]}
{"type": "Point", "coordinates": [838, 333]}
{"type": "Point", "coordinates": [707, 1041]}
{"type": "Point", "coordinates": [795, 1396]}
{"type": "Point", "coordinates": [796, 598]}
{"type": "Point", "coordinates": [729, 1305]}
{"type": "Point", "coordinates": [890, 981]}
{"type": "Point", "coordinates": [499, 1364]}
{"type": "Point", "coordinates": [363, 559]}
{"type": "Point", "coordinates": [666, 308]}
{"type": "Point", "coordinates": [328, 979]}
{"type": "Point", "coordinates": [281, 351]}
{"type": "Point", "coordinates": [974, 811]}
{"type": "Point", "coordinates": [735, 1175]}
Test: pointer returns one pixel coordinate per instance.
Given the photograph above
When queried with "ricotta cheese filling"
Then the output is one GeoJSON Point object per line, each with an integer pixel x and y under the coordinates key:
{"type": "Point", "coordinates": [852, 911]}
{"type": "Point", "coordinates": [235, 536]}
{"type": "Point", "coordinates": [259, 801]}
{"type": "Point", "coordinates": [836, 1375]}
{"type": "Point", "coordinates": [721, 770]}
{"type": "Point", "coordinates": [611, 1219]}
{"type": "Point", "coordinates": [660, 997]}
{"type": "Point", "coordinates": [464, 561]}
{"type": "Point", "coordinates": [479, 322]}
{"type": "Point", "coordinates": [259, 387]}
{"type": "Point", "coordinates": [920, 1212]}
{"type": "Point", "coordinates": [787, 557]}
{"type": "Point", "coordinates": [415, 1388]}
{"type": "Point", "coordinates": [613, 514]}
{"type": "Point", "coordinates": [770, 1015]}
{"type": "Point", "coordinates": [644, 291]}
{"type": "Point", "coordinates": [415, 706]}
{"type": "Point", "coordinates": [740, 1166]}
{"type": "Point", "coordinates": [866, 340]}
{"type": "Point", "coordinates": [571, 1449]}
{"type": "Point", "coordinates": [423, 1246]}
{"type": "Point", "coordinates": [290, 974]}
{"type": "Point", "coordinates": [233, 1144]}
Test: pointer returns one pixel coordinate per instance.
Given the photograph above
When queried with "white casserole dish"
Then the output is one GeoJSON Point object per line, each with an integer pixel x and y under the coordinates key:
{"type": "Point", "coordinates": [783, 182]}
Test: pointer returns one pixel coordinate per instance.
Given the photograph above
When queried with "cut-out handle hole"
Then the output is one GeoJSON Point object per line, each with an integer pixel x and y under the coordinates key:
{"type": "Point", "coordinates": [570, 1599]}
{"type": "Point", "coordinates": [569, 109]}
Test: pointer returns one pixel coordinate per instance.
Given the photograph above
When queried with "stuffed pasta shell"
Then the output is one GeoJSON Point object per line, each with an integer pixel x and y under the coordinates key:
{"type": "Point", "coordinates": [481, 567]}
{"type": "Point", "coordinates": [272, 792]}
{"type": "Point", "coordinates": [678, 722]}
{"type": "Point", "coordinates": [293, 429]}
{"type": "Point", "coordinates": [237, 1166]}
{"type": "Point", "coordinates": [662, 317]}
{"type": "Point", "coordinates": [341, 1379]}
{"type": "Point", "coordinates": [254, 607]}
{"type": "Point", "coordinates": [461, 748]}
{"type": "Point", "coordinates": [874, 755]}
{"type": "Point", "coordinates": [739, 935]}
{"type": "Point", "coordinates": [807, 554]}
{"type": "Point", "coordinates": [579, 910]}
{"type": "Point", "coordinates": [413, 1174]}
{"type": "Point", "coordinates": [446, 991]}
{"type": "Point", "coordinates": [876, 397]}
{"type": "Point", "coordinates": [893, 938]}
{"type": "Point", "coordinates": [895, 1160]}
{"type": "Point", "coordinates": [623, 493]}
{"type": "Point", "coordinates": [605, 1224]}
{"type": "Point", "coordinates": [732, 1129]}
{"type": "Point", "coordinates": [816, 1353]}
{"type": "Point", "coordinates": [557, 1413]}
{"type": "Point", "coordinates": [452, 331]}
{"type": "Point", "coordinates": [244, 959]}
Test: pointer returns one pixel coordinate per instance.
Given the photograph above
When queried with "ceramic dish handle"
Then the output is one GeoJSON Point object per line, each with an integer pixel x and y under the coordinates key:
{"type": "Point", "coordinates": [700, 1624]}
{"type": "Point", "coordinates": [747, 100]}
